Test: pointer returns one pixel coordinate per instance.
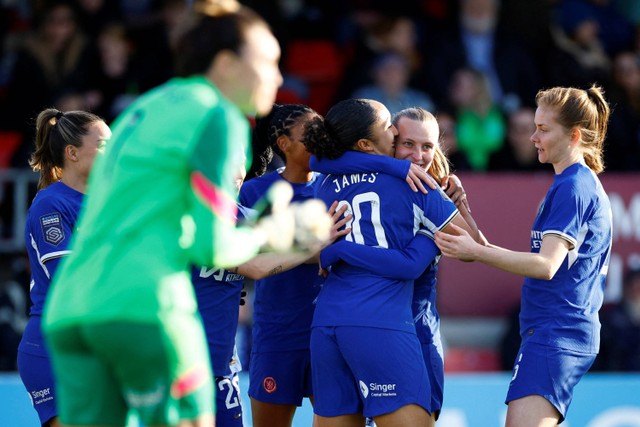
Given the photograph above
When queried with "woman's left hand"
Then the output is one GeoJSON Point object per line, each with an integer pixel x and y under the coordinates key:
{"type": "Point", "coordinates": [461, 246]}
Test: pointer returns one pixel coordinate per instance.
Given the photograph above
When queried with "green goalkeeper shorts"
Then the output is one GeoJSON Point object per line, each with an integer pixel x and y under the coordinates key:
{"type": "Point", "coordinates": [107, 372]}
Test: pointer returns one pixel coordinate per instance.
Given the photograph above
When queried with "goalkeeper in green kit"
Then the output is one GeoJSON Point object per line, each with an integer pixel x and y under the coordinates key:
{"type": "Point", "coordinates": [121, 320]}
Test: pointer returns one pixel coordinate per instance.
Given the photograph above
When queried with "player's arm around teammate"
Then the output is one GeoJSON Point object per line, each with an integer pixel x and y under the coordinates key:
{"type": "Point", "coordinates": [121, 320]}
{"type": "Point", "coordinates": [280, 371]}
{"type": "Point", "coordinates": [417, 141]}
{"type": "Point", "coordinates": [385, 211]}
{"type": "Point", "coordinates": [218, 294]}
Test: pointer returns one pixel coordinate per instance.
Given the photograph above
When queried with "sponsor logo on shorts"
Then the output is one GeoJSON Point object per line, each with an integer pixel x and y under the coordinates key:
{"type": "Point", "coordinates": [269, 384]}
{"type": "Point", "coordinates": [52, 228]}
{"type": "Point", "coordinates": [40, 396]}
{"type": "Point", "coordinates": [364, 389]}
{"type": "Point", "coordinates": [377, 390]}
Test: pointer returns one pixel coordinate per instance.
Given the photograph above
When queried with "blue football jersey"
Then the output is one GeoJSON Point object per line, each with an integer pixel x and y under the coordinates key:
{"type": "Point", "coordinates": [50, 223]}
{"type": "Point", "coordinates": [563, 311]}
{"type": "Point", "coordinates": [387, 214]}
{"type": "Point", "coordinates": [218, 295]}
{"type": "Point", "coordinates": [284, 303]}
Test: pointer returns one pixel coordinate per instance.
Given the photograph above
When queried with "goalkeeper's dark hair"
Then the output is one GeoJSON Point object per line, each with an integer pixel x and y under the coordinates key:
{"type": "Point", "coordinates": [345, 123]}
{"type": "Point", "coordinates": [279, 121]}
{"type": "Point", "coordinates": [211, 27]}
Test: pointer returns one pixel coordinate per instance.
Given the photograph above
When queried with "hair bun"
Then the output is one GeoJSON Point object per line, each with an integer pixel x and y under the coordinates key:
{"type": "Point", "coordinates": [215, 8]}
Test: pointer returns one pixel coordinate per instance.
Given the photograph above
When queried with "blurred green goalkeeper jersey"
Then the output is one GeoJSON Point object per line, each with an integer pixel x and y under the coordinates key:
{"type": "Point", "coordinates": [161, 197]}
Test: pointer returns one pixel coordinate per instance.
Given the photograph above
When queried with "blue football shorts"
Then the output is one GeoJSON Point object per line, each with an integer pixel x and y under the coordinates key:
{"type": "Point", "coordinates": [549, 372]}
{"type": "Point", "coordinates": [280, 377]}
{"type": "Point", "coordinates": [37, 376]}
{"type": "Point", "coordinates": [371, 371]}
{"type": "Point", "coordinates": [434, 360]}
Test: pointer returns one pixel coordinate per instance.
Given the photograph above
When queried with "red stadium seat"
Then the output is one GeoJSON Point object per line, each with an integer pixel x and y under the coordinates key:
{"type": "Point", "coordinates": [9, 142]}
{"type": "Point", "coordinates": [320, 65]}
{"type": "Point", "coordinates": [289, 96]}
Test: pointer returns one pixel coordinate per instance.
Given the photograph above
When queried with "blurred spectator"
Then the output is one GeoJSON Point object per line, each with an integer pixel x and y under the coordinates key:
{"type": "Point", "coordinates": [620, 334]}
{"type": "Point", "coordinates": [150, 30]}
{"type": "Point", "coordinates": [579, 59]}
{"type": "Point", "coordinates": [379, 34]}
{"type": "Point", "coordinates": [622, 147]}
{"type": "Point", "coordinates": [390, 86]}
{"type": "Point", "coordinates": [50, 66]}
{"type": "Point", "coordinates": [616, 30]}
{"type": "Point", "coordinates": [530, 21]}
{"type": "Point", "coordinates": [481, 43]}
{"type": "Point", "coordinates": [113, 81]}
{"type": "Point", "coordinates": [94, 15]}
{"type": "Point", "coordinates": [449, 141]}
{"type": "Point", "coordinates": [481, 126]}
{"type": "Point", "coordinates": [518, 153]}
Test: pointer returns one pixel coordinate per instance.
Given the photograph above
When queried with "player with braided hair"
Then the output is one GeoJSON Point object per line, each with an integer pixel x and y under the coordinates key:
{"type": "Point", "coordinates": [218, 293]}
{"type": "Point", "coordinates": [122, 321]}
{"type": "Point", "coordinates": [280, 366]}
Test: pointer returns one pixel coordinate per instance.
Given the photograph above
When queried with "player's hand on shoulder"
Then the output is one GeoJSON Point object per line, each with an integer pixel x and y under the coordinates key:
{"type": "Point", "coordinates": [418, 177]}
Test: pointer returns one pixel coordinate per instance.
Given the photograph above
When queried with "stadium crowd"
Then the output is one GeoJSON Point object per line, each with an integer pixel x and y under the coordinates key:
{"type": "Point", "coordinates": [476, 64]}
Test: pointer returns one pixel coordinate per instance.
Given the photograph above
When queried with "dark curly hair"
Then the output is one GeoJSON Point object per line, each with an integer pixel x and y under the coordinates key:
{"type": "Point", "coordinates": [345, 123]}
{"type": "Point", "coordinates": [278, 122]}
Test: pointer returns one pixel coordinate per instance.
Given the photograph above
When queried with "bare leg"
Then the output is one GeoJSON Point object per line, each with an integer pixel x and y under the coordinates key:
{"type": "Point", "coordinates": [532, 411]}
{"type": "Point", "coordinates": [351, 420]}
{"type": "Point", "coordinates": [271, 414]}
{"type": "Point", "coordinates": [407, 416]}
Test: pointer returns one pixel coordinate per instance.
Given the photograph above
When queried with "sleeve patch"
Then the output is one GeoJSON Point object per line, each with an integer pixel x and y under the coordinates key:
{"type": "Point", "coordinates": [52, 229]}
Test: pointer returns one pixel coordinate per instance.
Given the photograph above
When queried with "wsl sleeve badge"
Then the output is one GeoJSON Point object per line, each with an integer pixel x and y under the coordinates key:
{"type": "Point", "coordinates": [52, 229]}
